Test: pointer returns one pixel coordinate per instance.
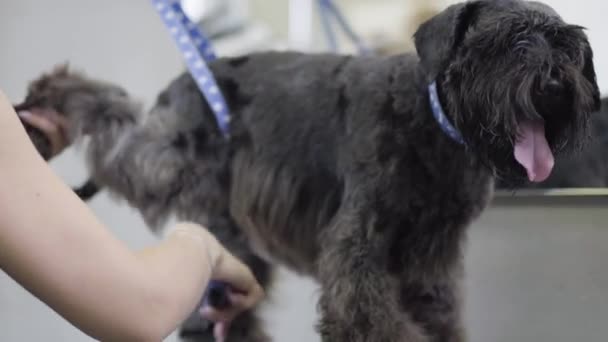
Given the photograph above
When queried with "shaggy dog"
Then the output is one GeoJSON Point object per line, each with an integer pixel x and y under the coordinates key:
{"type": "Point", "coordinates": [345, 168]}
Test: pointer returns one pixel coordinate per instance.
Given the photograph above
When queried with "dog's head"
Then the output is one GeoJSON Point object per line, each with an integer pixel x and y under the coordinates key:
{"type": "Point", "coordinates": [515, 79]}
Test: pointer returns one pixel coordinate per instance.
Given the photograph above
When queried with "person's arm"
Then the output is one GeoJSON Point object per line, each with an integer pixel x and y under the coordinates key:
{"type": "Point", "coordinates": [53, 245]}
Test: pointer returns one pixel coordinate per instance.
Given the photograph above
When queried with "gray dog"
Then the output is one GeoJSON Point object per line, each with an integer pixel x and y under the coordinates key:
{"type": "Point", "coordinates": [362, 172]}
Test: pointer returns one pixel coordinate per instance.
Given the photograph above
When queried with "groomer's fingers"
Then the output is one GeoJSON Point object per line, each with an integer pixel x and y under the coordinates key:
{"type": "Point", "coordinates": [60, 120]}
{"type": "Point", "coordinates": [220, 331]}
{"type": "Point", "coordinates": [238, 304]}
{"type": "Point", "coordinates": [218, 316]}
{"type": "Point", "coordinates": [243, 301]}
{"type": "Point", "coordinates": [231, 270]}
{"type": "Point", "coordinates": [51, 124]}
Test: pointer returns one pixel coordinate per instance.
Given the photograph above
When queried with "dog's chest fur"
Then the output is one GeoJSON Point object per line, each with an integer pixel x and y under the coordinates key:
{"type": "Point", "coordinates": [309, 132]}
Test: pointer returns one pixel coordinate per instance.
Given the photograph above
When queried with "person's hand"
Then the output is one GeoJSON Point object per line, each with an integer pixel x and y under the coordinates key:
{"type": "Point", "coordinates": [52, 124]}
{"type": "Point", "coordinates": [244, 292]}
{"type": "Point", "coordinates": [241, 287]}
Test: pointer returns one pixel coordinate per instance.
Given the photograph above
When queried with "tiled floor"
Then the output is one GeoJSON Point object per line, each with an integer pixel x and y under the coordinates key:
{"type": "Point", "coordinates": [534, 274]}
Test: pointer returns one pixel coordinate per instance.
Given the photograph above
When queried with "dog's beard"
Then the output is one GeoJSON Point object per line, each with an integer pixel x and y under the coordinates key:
{"type": "Point", "coordinates": [522, 129]}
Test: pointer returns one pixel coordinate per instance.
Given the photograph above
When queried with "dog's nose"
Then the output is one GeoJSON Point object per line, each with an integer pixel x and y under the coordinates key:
{"type": "Point", "coordinates": [553, 85]}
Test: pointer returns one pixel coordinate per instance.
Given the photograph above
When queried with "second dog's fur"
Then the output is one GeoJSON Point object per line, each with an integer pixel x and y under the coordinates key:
{"type": "Point", "coordinates": [336, 166]}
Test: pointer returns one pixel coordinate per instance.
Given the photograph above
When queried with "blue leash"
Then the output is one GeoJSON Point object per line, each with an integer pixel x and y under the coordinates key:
{"type": "Point", "coordinates": [327, 8]}
{"type": "Point", "coordinates": [197, 51]}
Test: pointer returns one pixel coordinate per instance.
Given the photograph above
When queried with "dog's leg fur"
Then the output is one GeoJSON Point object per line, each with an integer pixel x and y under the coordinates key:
{"type": "Point", "coordinates": [373, 293]}
{"type": "Point", "coordinates": [134, 156]}
{"type": "Point", "coordinates": [359, 300]}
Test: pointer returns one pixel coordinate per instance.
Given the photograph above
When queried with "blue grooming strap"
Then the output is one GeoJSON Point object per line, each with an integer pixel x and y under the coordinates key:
{"type": "Point", "coordinates": [328, 7]}
{"type": "Point", "coordinates": [440, 116]}
{"type": "Point", "coordinates": [197, 50]}
{"type": "Point", "coordinates": [324, 16]}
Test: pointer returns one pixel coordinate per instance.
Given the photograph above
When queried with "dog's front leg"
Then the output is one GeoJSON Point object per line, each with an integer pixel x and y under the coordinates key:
{"type": "Point", "coordinates": [359, 301]}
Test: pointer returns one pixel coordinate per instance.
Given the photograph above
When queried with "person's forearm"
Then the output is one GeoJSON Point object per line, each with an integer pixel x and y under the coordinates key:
{"type": "Point", "coordinates": [53, 245]}
{"type": "Point", "coordinates": [119, 297]}
{"type": "Point", "coordinates": [110, 293]}
{"type": "Point", "coordinates": [181, 268]}
{"type": "Point", "coordinates": [173, 273]}
{"type": "Point", "coordinates": [172, 276]}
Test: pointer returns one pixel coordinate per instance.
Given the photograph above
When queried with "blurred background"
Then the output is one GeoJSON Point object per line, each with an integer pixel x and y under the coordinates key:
{"type": "Point", "coordinates": [536, 266]}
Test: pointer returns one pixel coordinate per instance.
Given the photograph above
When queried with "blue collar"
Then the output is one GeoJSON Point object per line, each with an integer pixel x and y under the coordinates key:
{"type": "Point", "coordinates": [439, 115]}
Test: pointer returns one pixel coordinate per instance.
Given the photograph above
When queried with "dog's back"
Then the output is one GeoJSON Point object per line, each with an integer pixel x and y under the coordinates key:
{"type": "Point", "coordinates": [294, 118]}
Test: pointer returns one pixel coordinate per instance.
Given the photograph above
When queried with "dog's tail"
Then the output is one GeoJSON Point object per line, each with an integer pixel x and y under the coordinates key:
{"type": "Point", "coordinates": [91, 106]}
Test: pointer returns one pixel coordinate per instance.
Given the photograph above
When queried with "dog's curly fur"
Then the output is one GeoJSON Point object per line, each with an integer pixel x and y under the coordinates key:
{"type": "Point", "coordinates": [337, 168]}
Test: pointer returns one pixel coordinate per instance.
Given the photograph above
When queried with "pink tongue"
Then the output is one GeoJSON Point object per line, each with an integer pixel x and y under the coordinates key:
{"type": "Point", "coordinates": [532, 151]}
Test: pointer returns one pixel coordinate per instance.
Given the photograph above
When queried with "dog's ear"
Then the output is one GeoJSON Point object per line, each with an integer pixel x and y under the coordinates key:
{"type": "Point", "coordinates": [437, 38]}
